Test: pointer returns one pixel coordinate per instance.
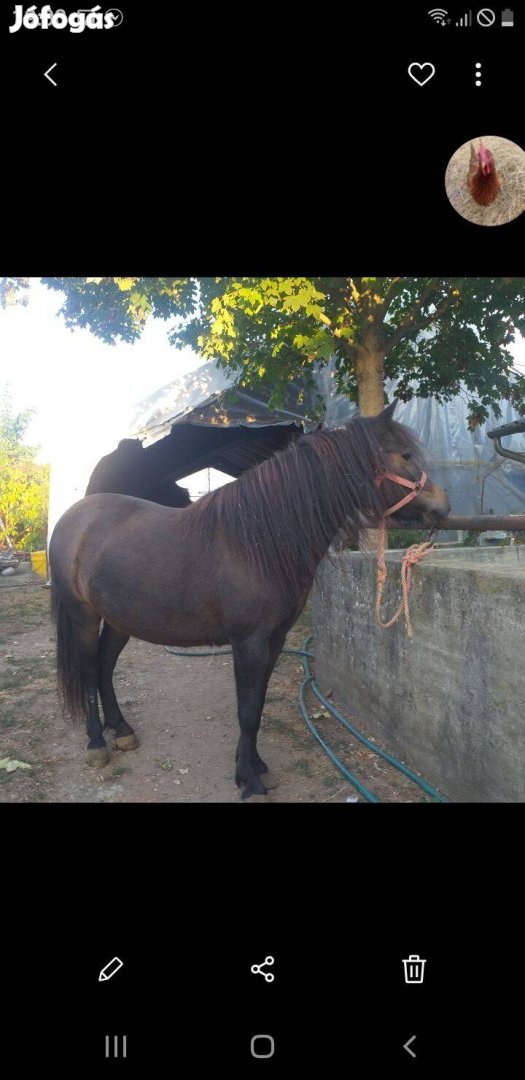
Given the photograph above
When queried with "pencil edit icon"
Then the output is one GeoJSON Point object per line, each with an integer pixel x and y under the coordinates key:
{"type": "Point", "coordinates": [110, 969]}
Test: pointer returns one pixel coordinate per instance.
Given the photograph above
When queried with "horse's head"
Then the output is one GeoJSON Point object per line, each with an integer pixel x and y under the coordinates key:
{"type": "Point", "coordinates": [410, 496]}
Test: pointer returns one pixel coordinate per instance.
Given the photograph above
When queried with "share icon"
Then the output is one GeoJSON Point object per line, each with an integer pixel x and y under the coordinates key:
{"type": "Point", "coordinates": [256, 969]}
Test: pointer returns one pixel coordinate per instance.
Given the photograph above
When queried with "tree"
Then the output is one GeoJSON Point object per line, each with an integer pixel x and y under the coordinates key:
{"type": "Point", "coordinates": [24, 485]}
{"type": "Point", "coordinates": [12, 291]}
{"type": "Point", "coordinates": [439, 336]}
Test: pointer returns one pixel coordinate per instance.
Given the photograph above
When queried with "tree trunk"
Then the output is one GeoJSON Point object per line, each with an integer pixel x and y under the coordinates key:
{"type": "Point", "coordinates": [370, 374]}
{"type": "Point", "coordinates": [4, 532]}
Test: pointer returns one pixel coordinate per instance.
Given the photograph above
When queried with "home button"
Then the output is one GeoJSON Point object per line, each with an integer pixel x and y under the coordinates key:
{"type": "Point", "coordinates": [262, 1046]}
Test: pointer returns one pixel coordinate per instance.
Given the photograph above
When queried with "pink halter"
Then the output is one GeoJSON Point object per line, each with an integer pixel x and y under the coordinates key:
{"type": "Point", "coordinates": [414, 485]}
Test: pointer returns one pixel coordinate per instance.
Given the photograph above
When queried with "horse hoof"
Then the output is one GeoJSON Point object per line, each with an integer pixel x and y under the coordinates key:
{"type": "Point", "coordinates": [98, 756]}
{"type": "Point", "coordinates": [253, 788]}
{"type": "Point", "coordinates": [126, 742]}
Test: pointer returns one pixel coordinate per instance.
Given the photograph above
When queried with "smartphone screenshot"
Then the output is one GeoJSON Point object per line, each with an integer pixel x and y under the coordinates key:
{"type": "Point", "coordinates": [262, 540]}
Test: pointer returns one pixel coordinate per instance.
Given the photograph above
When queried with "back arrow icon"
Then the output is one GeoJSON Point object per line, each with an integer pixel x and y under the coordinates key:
{"type": "Point", "coordinates": [406, 1046]}
{"type": "Point", "coordinates": [48, 76]}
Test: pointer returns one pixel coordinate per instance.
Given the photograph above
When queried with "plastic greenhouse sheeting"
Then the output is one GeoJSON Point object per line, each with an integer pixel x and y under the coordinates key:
{"type": "Point", "coordinates": [465, 463]}
{"type": "Point", "coordinates": [197, 398]}
{"type": "Point", "coordinates": [477, 479]}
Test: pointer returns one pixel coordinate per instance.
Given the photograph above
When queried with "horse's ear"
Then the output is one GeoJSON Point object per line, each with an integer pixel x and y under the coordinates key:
{"type": "Point", "coordinates": [388, 413]}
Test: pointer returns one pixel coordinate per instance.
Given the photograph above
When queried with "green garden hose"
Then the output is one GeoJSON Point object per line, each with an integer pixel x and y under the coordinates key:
{"type": "Point", "coordinates": [309, 680]}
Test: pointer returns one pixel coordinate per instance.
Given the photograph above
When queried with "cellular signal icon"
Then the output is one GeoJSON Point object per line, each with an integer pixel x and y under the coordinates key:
{"type": "Point", "coordinates": [465, 20]}
{"type": "Point", "coordinates": [438, 15]}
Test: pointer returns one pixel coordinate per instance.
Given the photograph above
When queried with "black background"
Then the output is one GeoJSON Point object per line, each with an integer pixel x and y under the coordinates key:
{"type": "Point", "coordinates": [190, 897]}
{"type": "Point", "coordinates": [212, 142]}
{"type": "Point", "coordinates": [257, 143]}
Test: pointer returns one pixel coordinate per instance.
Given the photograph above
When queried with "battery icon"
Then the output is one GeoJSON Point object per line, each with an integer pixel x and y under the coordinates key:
{"type": "Point", "coordinates": [507, 17]}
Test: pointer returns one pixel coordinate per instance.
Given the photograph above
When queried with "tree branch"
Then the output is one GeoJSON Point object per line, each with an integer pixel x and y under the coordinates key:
{"type": "Point", "coordinates": [390, 292]}
{"type": "Point", "coordinates": [407, 329]}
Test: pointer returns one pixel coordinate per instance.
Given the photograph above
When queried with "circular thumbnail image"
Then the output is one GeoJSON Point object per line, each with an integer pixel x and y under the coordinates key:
{"type": "Point", "coordinates": [485, 180]}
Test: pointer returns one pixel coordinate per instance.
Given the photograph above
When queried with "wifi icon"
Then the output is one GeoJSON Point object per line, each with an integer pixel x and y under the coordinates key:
{"type": "Point", "coordinates": [438, 15]}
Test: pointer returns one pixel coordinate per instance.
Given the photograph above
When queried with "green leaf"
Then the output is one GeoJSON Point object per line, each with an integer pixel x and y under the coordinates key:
{"type": "Point", "coordinates": [10, 764]}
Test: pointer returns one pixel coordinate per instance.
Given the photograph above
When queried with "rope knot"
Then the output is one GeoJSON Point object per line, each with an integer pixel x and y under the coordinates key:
{"type": "Point", "coordinates": [413, 555]}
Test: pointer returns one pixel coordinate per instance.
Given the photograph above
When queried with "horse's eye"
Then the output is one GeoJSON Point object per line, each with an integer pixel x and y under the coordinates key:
{"type": "Point", "coordinates": [407, 455]}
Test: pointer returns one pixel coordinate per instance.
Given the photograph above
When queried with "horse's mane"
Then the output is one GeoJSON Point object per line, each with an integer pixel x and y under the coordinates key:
{"type": "Point", "coordinates": [283, 514]}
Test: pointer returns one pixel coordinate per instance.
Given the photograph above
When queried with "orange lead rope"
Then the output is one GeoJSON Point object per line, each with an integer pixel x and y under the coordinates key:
{"type": "Point", "coordinates": [412, 556]}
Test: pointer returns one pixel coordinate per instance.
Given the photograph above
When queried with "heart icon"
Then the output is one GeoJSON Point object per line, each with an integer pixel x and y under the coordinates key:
{"type": "Point", "coordinates": [421, 73]}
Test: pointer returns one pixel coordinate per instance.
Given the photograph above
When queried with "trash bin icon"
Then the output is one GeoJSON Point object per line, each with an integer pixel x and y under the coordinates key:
{"type": "Point", "coordinates": [414, 969]}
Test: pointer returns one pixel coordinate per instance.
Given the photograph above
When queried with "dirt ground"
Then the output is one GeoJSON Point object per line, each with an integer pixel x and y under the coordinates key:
{"type": "Point", "coordinates": [183, 711]}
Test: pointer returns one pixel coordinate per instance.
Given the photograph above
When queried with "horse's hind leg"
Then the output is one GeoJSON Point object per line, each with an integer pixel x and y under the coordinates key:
{"type": "Point", "coordinates": [87, 626]}
{"type": "Point", "coordinates": [111, 644]}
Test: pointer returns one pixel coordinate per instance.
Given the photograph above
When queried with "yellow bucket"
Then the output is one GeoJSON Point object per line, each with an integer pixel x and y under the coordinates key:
{"type": "Point", "coordinates": [39, 562]}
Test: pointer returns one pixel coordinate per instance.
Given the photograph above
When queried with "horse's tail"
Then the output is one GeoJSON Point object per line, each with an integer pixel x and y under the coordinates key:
{"type": "Point", "coordinates": [72, 685]}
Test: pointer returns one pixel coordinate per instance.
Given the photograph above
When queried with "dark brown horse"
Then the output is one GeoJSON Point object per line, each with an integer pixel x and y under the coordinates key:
{"type": "Point", "coordinates": [235, 567]}
{"type": "Point", "coordinates": [131, 470]}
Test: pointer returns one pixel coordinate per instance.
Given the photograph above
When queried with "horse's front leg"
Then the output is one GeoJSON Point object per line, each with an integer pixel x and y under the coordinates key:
{"type": "Point", "coordinates": [250, 661]}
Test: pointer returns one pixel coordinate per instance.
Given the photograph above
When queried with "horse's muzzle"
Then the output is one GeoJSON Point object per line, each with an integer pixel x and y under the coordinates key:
{"type": "Point", "coordinates": [432, 517]}
{"type": "Point", "coordinates": [435, 515]}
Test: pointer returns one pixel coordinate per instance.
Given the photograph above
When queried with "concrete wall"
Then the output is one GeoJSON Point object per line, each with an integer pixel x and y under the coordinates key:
{"type": "Point", "coordinates": [451, 701]}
